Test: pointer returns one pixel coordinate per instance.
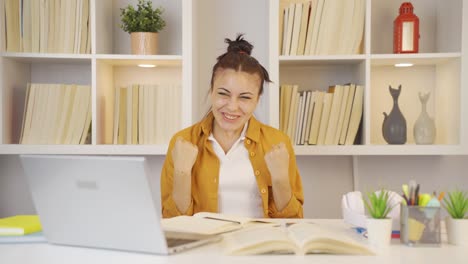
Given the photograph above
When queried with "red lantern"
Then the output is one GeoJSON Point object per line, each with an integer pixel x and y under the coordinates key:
{"type": "Point", "coordinates": [406, 30]}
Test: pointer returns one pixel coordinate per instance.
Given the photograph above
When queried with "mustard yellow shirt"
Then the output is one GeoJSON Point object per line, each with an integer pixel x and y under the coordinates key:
{"type": "Point", "coordinates": [205, 172]}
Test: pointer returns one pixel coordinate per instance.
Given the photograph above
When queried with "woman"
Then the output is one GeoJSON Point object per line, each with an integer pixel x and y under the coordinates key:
{"type": "Point", "coordinates": [229, 162]}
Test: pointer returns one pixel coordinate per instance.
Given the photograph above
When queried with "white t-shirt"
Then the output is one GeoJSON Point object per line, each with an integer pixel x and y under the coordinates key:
{"type": "Point", "coordinates": [238, 192]}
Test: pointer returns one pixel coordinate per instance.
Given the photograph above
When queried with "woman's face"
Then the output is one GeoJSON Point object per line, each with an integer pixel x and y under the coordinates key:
{"type": "Point", "coordinates": [234, 97]}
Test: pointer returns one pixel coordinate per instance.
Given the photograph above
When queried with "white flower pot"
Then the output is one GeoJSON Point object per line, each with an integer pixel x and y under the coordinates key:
{"type": "Point", "coordinates": [457, 231]}
{"type": "Point", "coordinates": [379, 232]}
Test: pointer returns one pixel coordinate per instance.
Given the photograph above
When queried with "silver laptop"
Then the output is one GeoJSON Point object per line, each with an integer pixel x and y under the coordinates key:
{"type": "Point", "coordinates": [101, 202]}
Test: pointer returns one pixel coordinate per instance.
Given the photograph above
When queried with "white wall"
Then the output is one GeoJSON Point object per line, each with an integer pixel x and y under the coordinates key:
{"type": "Point", "coordinates": [220, 19]}
{"type": "Point", "coordinates": [325, 179]}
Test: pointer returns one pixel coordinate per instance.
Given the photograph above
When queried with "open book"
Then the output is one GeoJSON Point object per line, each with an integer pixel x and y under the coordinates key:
{"type": "Point", "coordinates": [205, 223]}
{"type": "Point", "coordinates": [299, 238]}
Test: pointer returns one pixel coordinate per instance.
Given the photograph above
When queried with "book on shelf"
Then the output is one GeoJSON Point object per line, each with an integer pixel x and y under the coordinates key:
{"type": "Point", "coordinates": [357, 29]}
{"type": "Point", "coordinates": [135, 103]}
{"type": "Point", "coordinates": [19, 225]}
{"type": "Point", "coordinates": [26, 25]}
{"type": "Point", "coordinates": [284, 17]}
{"type": "Point", "coordinates": [314, 25]}
{"type": "Point", "coordinates": [303, 29]}
{"type": "Point", "coordinates": [129, 113]}
{"type": "Point", "coordinates": [289, 29]}
{"type": "Point", "coordinates": [347, 113]}
{"type": "Point", "coordinates": [345, 34]}
{"type": "Point", "coordinates": [327, 103]}
{"type": "Point", "coordinates": [78, 117]}
{"type": "Point", "coordinates": [35, 26]}
{"type": "Point", "coordinates": [296, 29]}
{"type": "Point", "coordinates": [122, 129]}
{"type": "Point", "coordinates": [285, 100]}
{"type": "Point", "coordinates": [25, 125]}
{"type": "Point", "coordinates": [56, 114]}
{"type": "Point", "coordinates": [43, 26]}
{"type": "Point", "coordinates": [64, 117]}
{"type": "Point", "coordinates": [292, 111]}
{"type": "Point", "coordinates": [299, 238]}
{"type": "Point", "coordinates": [146, 113]}
{"type": "Point", "coordinates": [341, 117]}
{"type": "Point", "coordinates": [356, 115]}
{"type": "Point", "coordinates": [335, 109]}
{"type": "Point", "coordinates": [319, 27]}
{"type": "Point", "coordinates": [47, 26]}
{"type": "Point", "coordinates": [306, 119]}
{"type": "Point", "coordinates": [330, 27]}
{"type": "Point", "coordinates": [299, 116]}
{"type": "Point", "coordinates": [316, 117]}
{"type": "Point", "coordinates": [311, 109]}
{"type": "Point", "coordinates": [206, 223]}
{"type": "Point", "coordinates": [84, 27]}
{"type": "Point", "coordinates": [12, 26]}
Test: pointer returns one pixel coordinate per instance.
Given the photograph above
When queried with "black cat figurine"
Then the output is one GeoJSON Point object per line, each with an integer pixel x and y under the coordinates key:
{"type": "Point", "coordinates": [394, 124]}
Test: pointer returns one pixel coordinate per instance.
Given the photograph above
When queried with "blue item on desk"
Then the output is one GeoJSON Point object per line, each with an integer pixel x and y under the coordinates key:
{"type": "Point", "coordinates": [363, 231]}
{"type": "Point", "coordinates": [37, 237]}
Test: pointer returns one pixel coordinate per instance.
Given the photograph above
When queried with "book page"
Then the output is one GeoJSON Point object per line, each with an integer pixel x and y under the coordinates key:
{"type": "Point", "coordinates": [233, 218]}
{"type": "Point", "coordinates": [258, 240]}
{"type": "Point", "coordinates": [198, 225]}
{"type": "Point", "coordinates": [314, 238]}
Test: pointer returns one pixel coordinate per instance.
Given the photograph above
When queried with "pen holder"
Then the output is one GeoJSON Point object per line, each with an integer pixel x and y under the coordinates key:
{"type": "Point", "coordinates": [420, 226]}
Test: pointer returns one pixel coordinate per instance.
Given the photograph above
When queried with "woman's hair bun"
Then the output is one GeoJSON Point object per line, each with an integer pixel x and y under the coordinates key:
{"type": "Point", "coordinates": [239, 45]}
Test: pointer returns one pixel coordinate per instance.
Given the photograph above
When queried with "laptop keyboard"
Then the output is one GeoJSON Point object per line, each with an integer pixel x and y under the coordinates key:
{"type": "Point", "coordinates": [174, 242]}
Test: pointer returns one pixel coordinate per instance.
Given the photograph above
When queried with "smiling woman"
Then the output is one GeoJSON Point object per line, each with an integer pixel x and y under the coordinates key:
{"type": "Point", "coordinates": [229, 162]}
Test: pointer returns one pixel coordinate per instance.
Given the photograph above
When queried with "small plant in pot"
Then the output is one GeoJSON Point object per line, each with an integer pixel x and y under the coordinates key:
{"type": "Point", "coordinates": [379, 226]}
{"type": "Point", "coordinates": [456, 204]}
{"type": "Point", "coordinates": [143, 24]}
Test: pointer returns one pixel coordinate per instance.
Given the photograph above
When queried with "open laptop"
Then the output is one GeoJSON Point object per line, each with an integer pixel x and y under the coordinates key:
{"type": "Point", "coordinates": [100, 201]}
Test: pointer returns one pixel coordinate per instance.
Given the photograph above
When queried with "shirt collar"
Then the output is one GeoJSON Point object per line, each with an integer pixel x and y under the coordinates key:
{"type": "Point", "coordinates": [250, 131]}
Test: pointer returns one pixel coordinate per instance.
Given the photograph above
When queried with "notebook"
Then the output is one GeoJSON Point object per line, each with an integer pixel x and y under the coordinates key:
{"type": "Point", "coordinates": [101, 202]}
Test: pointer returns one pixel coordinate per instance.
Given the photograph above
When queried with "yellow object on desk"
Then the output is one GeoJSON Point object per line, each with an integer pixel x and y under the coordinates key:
{"type": "Point", "coordinates": [416, 229]}
{"type": "Point", "coordinates": [19, 225]}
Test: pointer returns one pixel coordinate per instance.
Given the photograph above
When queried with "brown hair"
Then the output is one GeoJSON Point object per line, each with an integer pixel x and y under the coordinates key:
{"type": "Point", "coordinates": [238, 58]}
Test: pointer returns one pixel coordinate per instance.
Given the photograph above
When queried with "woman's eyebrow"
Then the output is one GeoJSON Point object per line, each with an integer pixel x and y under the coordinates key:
{"type": "Point", "coordinates": [224, 89]}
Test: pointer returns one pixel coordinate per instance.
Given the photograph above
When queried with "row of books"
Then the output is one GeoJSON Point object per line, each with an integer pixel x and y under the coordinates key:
{"type": "Point", "coordinates": [47, 26]}
{"type": "Point", "coordinates": [56, 114]}
{"type": "Point", "coordinates": [321, 27]}
{"type": "Point", "coordinates": [146, 114]}
{"type": "Point", "coordinates": [319, 117]}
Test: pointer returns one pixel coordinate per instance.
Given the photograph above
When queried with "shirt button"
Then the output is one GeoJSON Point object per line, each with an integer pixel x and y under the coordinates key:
{"type": "Point", "coordinates": [257, 172]}
{"type": "Point", "coordinates": [215, 180]}
{"type": "Point", "coordinates": [263, 191]}
{"type": "Point", "coordinates": [252, 154]}
{"type": "Point", "coordinates": [249, 141]}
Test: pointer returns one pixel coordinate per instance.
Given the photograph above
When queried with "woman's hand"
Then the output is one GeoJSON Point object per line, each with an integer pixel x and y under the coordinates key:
{"type": "Point", "coordinates": [184, 155]}
{"type": "Point", "coordinates": [277, 160]}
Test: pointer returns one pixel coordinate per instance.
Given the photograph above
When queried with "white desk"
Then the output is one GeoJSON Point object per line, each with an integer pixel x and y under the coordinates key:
{"type": "Point", "coordinates": [54, 254]}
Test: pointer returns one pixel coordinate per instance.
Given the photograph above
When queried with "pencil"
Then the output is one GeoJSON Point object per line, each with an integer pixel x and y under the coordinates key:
{"type": "Point", "coordinates": [441, 196]}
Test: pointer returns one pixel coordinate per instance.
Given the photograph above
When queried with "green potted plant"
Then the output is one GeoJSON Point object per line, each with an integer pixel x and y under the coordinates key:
{"type": "Point", "coordinates": [143, 24]}
{"type": "Point", "coordinates": [456, 204]}
{"type": "Point", "coordinates": [379, 226]}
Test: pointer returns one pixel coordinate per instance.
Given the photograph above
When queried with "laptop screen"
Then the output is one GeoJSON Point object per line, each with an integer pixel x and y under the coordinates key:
{"type": "Point", "coordinates": [96, 201]}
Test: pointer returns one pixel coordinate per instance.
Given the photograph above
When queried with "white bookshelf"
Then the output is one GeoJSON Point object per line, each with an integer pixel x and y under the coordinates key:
{"type": "Point", "coordinates": [440, 68]}
{"type": "Point", "coordinates": [109, 65]}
